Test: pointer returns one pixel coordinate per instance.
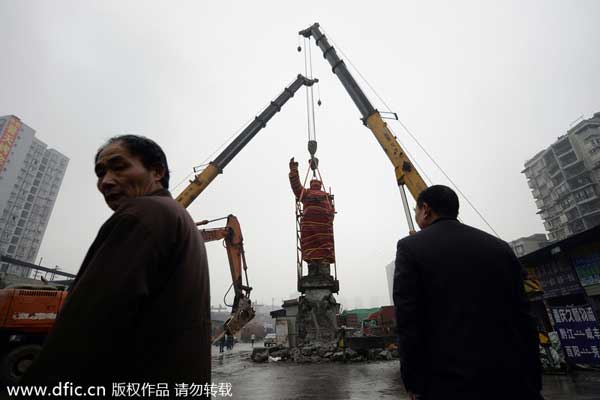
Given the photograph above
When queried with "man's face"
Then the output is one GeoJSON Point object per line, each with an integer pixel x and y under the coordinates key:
{"type": "Point", "coordinates": [122, 175]}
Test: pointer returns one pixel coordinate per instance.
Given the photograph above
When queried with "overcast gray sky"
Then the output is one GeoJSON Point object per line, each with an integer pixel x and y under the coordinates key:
{"type": "Point", "coordinates": [484, 85]}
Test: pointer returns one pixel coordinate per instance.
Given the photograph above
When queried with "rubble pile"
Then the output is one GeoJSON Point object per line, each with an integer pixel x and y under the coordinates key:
{"type": "Point", "coordinates": [316, 353]}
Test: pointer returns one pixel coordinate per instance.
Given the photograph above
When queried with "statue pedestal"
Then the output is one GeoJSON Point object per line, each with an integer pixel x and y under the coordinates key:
{"type": "Point", "coordinates": [316, 321]}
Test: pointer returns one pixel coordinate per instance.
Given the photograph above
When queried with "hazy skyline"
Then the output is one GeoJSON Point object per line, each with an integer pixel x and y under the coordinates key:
{"type": "Point", "coordinates": [484, 86]}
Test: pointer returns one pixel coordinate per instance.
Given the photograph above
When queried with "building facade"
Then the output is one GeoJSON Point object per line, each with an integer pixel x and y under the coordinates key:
{"type": "Point", "coordinates": [526, 245]}
{"type": "Point", "coordinates": [565, 180]}
{"type": "Point", "coordinates": [30, 178]}
{"type": "Point", "coordinates": [569, 304]}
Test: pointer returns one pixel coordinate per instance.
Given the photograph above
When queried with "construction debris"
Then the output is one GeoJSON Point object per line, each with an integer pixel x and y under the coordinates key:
{"type": "Point", "coordinates": [316, 353]}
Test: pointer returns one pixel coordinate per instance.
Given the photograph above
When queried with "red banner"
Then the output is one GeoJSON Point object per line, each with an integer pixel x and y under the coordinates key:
{"type": "Point", "coordinates": [7, 138]}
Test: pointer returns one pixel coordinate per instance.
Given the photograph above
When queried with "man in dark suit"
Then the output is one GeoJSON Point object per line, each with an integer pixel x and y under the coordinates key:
{"type": "Point", "coordinates": [463, 320]}
{"type": "Point", "coordinates": [139, 309]}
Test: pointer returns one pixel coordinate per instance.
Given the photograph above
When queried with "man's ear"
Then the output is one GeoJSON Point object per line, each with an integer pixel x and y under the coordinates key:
{"type": "Point", "coordinates": [159, 172]}
{"type": "Point", "coordinates": [426, 209]}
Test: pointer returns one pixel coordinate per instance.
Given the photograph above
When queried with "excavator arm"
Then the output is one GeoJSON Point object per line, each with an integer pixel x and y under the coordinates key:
{"type": "Point", "coordinates": [406, 173]}
{"type": "Point", "coordinates": [215, 167]}
{"type": "Point", "coordinates": [242, 311]}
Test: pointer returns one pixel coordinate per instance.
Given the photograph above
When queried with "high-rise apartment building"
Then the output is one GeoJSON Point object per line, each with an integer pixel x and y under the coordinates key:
{"type": "Point", "coordinates": [565, 180]}
{"type": "Point", "coordinates": [30, 177]}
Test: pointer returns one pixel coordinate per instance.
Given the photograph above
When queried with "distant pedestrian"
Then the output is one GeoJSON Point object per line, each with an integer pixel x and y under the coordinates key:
{"type": "Point", "coordinates": [252, 339]}
{"type": "Point", "coordinates": [147, 264]}
{"type": "Point", "coordinates": [221, 344]}
{"type": "Point", "coordinates": [463, 319]}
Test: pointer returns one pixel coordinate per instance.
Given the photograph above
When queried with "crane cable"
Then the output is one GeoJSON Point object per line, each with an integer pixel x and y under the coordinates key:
{"type": "Point", "coordinates": [413, 137]}
{"type": "Point", "coordinates": [310, 98]}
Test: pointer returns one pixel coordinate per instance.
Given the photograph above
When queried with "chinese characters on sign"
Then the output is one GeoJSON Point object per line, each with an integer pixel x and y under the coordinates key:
{"type": "Point", "coordinates": [7, 139]}
{"type": "Point", "coordinates": [579, 333]}
{"type": "Point", "coordinates": [207, 390]}
{"type": "Point", "coordinates": [557, 278]}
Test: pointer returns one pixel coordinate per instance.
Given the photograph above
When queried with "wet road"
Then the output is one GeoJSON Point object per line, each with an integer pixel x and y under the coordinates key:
{"type": "Point", "coordinates": [376, 380]}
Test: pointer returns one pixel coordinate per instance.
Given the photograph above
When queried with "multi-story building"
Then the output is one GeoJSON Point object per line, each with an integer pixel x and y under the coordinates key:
{"type": "Point", "coordinates": [565, 180]}
{"type": "Point", "coordinates": [30, 177]}
{"type": "Point", "coordinates": [526, 245]}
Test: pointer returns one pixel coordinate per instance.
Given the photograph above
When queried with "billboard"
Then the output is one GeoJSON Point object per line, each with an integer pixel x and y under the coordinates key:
{"type": "Point", "coordinates": [579, 333]}
{"type": "Point", "coordinates": [557, 277]}
{"type": "Point", "coordinates": [7, 139]}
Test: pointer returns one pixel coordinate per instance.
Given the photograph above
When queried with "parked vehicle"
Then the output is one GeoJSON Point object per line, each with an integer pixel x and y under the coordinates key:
{"type": "Point", "coordinates": [270, 340]}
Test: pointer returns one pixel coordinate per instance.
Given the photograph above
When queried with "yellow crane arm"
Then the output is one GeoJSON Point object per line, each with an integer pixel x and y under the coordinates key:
{"type": "Point", "coordinates": [198, 184]}
{"type": "Point", "coordinates": [215, 167]}
{"type": "Point", "coordinates": [406, 174]}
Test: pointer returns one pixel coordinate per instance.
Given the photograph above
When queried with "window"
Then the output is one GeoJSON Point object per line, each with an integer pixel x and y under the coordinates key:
{"type": "Point", "coordinates": [14, 240]}
{"type": "Point", "coordinates": [18, 231]}
{"type": "Point", "coordinates": [519, 250]}
{"type": "Point", "coordinates": [11, 249]}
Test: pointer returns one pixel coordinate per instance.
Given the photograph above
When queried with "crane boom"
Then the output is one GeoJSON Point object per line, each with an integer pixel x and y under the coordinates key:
{"type": "Point", "coordinates": [215, 167]}
{"type": "Point", "coordinates": [406, 174]}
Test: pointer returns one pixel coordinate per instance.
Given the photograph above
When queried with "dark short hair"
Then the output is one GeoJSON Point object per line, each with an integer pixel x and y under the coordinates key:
{"type": "Point", "coordinates": [441, 199]}
{"type": "Point", "coordinates": [147, 150]}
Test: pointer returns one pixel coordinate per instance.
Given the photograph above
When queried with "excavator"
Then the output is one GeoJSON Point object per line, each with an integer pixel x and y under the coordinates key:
{"type": "Point", "coordinates": [242, 311]}
{"type": "Point", "coordinates": [27, 312]}
{"type": "Point", "coordinates": [406, 174]}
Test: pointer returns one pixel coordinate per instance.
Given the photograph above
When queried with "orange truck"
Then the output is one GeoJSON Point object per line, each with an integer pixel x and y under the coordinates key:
{"type": "Point", "coordinates": [27, 312]}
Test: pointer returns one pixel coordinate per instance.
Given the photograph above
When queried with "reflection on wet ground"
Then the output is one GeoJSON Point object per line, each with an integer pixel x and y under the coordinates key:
{"type": "Point", "coordinates": [376, 380]}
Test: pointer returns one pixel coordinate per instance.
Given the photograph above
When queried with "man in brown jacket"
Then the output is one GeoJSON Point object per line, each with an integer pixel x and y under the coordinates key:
{"type": "Point", "coordinates": [139, 309]}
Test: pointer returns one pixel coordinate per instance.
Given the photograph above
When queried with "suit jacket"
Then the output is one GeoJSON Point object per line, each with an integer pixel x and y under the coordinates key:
{"type": "Point", "coordinates": [139, 309]}
{"type": "Point", "coordinates": [463, 318]}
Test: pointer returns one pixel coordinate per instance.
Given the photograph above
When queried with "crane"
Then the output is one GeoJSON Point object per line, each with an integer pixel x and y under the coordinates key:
{"type": "Point", "coordinates": [406, 174]}
{"type": "Point", "coordinates": [242, 311]}
{"type": "Point", "coordinates": [215, 167]}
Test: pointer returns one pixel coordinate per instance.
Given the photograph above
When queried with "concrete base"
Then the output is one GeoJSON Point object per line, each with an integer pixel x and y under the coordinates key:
{"type": "Point", "coordinates": [316, 320]}
{"type": "Point", "coordinates": [318, 278]}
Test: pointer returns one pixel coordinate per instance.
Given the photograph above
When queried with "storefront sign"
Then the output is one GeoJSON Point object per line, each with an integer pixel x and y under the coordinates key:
{"type": "Point", "coordinates": [579, 333]}
{"type": "Point", "coordinates": [557, 278]}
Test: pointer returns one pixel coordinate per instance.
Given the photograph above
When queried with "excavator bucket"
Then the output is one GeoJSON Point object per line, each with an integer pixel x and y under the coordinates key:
{"type": "Point", "coordinates": [239, 318]}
